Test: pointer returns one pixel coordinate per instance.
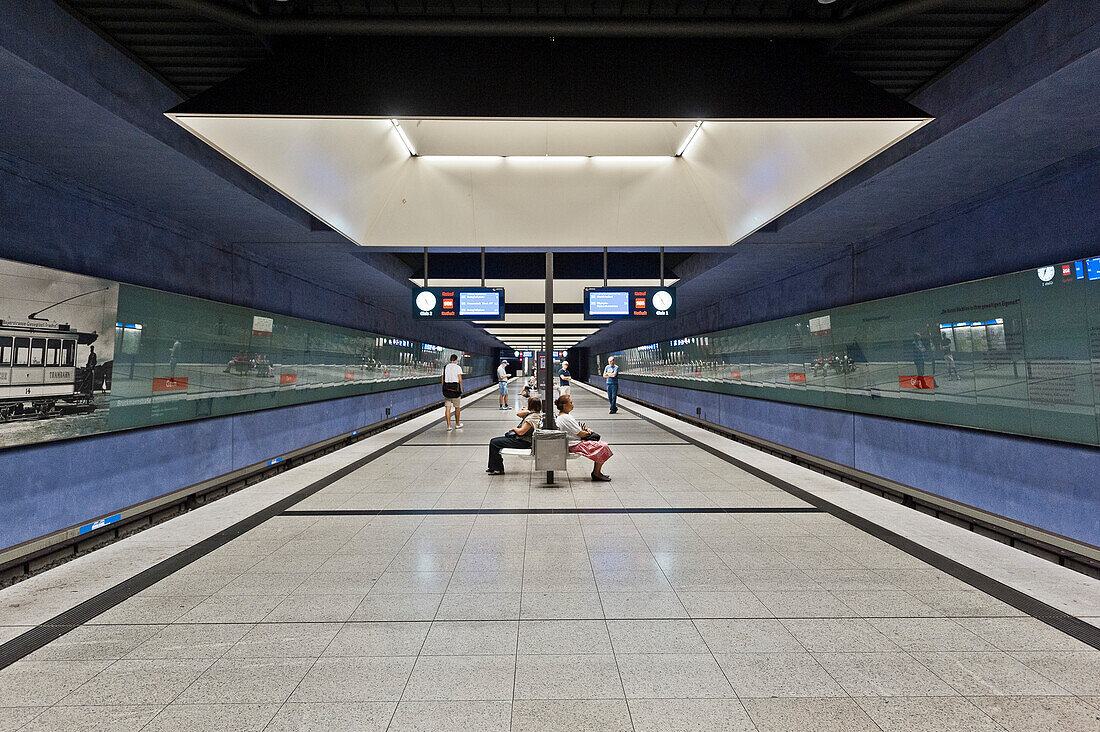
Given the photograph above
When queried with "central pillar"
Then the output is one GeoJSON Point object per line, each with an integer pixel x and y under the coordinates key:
{"type": "Point", "coordinates": [548, 390]}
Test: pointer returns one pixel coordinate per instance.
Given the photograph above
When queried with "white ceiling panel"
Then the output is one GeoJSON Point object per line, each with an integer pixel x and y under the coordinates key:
{"type": "Point", "coordinates": [356, 175]}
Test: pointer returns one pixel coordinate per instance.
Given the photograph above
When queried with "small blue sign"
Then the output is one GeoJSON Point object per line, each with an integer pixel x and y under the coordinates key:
{"type": "Point", "coordinates": [100, 524]}
{"type": "Point", "coordinates": [276, 460]}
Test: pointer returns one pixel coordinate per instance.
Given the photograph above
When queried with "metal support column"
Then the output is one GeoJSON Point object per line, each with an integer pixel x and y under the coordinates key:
{"type": "Point", "coordinates": [662, 266]}
{"type": "Point", "coordinates": [425, 266]}
{"type": "Point", "coordinates": [483, 266]}
{"type": "Point", "coordinates": [605, 266]}
{"type": "Point", "coordinates": [548, 392]}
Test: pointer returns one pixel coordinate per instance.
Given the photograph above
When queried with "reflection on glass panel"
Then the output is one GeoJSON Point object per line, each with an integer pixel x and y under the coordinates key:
{"type": "Point", "coordinates": [1017, 353]}
{"type": "Point", "coordinates": [183, 358]}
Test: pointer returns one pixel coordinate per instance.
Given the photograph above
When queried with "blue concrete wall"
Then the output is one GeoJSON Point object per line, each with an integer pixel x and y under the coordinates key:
{"type": "Point", "coordinates": [52, 486]}
{"type": "Point", "coordinates": [1046, 484]}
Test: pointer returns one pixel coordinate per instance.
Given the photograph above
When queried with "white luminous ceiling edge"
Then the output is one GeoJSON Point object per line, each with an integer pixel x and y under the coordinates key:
{"type": "Point", "coordinates": [360, 176]}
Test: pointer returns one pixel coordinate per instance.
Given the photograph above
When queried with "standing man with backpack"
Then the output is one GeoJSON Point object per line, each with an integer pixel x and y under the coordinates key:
{"type": "Point", "coordinates": [452, 392]}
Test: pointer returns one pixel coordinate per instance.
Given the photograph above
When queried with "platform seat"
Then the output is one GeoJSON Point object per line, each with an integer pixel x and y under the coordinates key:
{"type": "Point", "coordinates": [523, 452]}
{"type": "Point", "coordinates": [527, 453]}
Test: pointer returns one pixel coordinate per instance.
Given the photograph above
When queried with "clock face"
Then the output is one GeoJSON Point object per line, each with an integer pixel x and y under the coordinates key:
{"type": "Point", "coordinates": [425, 301]}
{"type": "Point", "coordinates": [662, 300]}
{"type": "Point", "coordinates": [1046, 274]}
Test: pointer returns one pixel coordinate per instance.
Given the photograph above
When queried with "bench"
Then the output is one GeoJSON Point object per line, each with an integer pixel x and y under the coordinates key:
{"type": "Point", "coordinates": [527, 453]}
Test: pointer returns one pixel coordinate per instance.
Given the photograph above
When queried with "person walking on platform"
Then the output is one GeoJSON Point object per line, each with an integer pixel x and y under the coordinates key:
{"type": "Point", "coordinates": [520, 437]}
{"type": "Point", "coordinates": [611, 373]}
{"type": "Point", "coordinates": [564, 379]}
{"type": "Point", "coordinates": [502, 382]}
{"type": "Point", "coordinates": [582, 441]}
{"type": "Point", "coordinates": [452, 392]}
{"type": "Point", "coordinates": [173, 359]}
{"type": "Point", "coordinates": [949, 357]}
{"type": "Point", "coordinates": [917, 353]}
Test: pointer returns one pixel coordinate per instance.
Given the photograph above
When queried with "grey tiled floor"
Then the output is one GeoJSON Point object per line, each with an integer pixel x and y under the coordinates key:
{"type": "Point", "coordinates": [572, 621]}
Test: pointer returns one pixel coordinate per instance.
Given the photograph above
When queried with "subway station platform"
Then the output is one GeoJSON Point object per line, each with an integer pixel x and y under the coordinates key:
{"type": "Point", "coordinates": [392, 585]}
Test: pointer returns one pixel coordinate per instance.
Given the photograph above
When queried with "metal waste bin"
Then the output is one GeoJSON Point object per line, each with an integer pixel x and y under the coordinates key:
{"type": "Point", "coordinates": [551, 448]}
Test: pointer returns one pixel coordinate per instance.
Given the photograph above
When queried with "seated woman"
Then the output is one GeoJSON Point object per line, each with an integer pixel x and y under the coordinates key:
{"type": "Point", "coordinates": [595, 450]}
{"type": "Point", "coordinates": [520, 437]}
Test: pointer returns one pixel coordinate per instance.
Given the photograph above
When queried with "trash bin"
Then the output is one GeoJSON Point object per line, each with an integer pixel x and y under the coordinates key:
{"type": "Point", "coordinates": [551, 449]}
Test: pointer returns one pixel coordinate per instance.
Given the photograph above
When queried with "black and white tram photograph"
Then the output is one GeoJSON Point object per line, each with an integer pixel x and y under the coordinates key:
{"type": "Point", "coordinates": [56, 350]}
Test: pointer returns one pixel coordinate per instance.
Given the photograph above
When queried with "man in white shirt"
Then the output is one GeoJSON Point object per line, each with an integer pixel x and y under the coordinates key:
{"type": "Point", "coordinates": [452, 392]}
{"type": "Point", "coordinates": [502, 382]}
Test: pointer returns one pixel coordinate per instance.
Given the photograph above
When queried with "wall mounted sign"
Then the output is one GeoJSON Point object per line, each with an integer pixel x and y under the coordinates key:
{"type": "Point", "coordinates": [458, 303]}
{"type": "Point", "coordinates": [604, 303]}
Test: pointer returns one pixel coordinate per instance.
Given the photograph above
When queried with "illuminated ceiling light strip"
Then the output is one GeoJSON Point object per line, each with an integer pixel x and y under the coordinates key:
{"type": "Point", "coordinates": [690, 137]}
{"type": "Point", "coordinates": [404, 138]}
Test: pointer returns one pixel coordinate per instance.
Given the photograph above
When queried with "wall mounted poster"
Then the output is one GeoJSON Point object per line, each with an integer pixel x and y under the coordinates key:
{"type": "Point", "coordinates": [80, 355]}
{"type": "Point", "coordinates": [57, 343]}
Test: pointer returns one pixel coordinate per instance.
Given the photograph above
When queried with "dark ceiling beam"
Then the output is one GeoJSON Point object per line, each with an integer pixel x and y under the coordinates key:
{"type": "Point", "coordinates": [548, 26]}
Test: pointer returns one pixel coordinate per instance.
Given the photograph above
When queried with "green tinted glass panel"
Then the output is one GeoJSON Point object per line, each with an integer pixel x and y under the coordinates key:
{"type": "Point", "coordinates": [182, 358]}
{"type": "Point", "coordinates": [1016, 353]}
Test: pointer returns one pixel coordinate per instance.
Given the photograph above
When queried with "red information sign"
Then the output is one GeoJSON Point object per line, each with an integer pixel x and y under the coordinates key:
{"type": "Point", "coordinates": [349, 375]}
{"type": "Point", "coordinates": [917, 382]}
{"type": "Point", "coordinates": [799, 378]}
{"type": "Point", "coordinates": [735, 374]}
{"type": "Point", "coordinates": [170, 384]}
{"type": "Point", "coordinates": [288, 378]}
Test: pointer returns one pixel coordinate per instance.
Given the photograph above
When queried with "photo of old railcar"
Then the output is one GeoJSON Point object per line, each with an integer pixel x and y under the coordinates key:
{"type": "Point", "coordinates": [39, 377]}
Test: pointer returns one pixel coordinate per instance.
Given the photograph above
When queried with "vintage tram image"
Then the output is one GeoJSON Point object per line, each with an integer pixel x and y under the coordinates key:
{"type": "Point", "coordinates": [56, 353]}
{"type": "Point", "coordinates": [38, 372]}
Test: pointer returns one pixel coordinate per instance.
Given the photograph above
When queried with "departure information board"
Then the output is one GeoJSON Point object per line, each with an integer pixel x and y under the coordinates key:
{"type": "Point", "coordinates": [458, 303]}
{"type": "Point", "coordinates": [610, 303]}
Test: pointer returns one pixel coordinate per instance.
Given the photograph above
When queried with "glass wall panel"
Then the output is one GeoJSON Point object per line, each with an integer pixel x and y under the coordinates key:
{"type": "Point", "coordinates": [1016, 353]}
{"type": "Point", "coordinates": [81, 355]}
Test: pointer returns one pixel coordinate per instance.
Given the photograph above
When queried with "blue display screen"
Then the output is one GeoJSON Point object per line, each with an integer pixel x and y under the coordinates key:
{"type": "Point", "coordinates": [479, 303]}
{"type": "Point", "coordinates": [1092, 266]}
{"type": "Point", "coordinates": [609, 303]}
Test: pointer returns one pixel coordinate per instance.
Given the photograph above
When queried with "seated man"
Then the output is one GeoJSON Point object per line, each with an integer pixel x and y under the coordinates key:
{"type": "Point", "coordinates": [595, 450]}
{"type": "Point", "coordinates": [520, 437]}
{"type": "Point", "coordinates": [529, 388]}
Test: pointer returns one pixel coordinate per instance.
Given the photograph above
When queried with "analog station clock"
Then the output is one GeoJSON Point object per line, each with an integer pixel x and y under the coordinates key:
{"type": "Point", "coordinates": [425, 301]}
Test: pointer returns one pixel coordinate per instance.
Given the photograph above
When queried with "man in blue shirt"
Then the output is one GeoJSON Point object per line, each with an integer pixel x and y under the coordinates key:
{"type": "Point", "coordinates": [611, 373]}
{"type": "Point", "coordinates": [564, 379]}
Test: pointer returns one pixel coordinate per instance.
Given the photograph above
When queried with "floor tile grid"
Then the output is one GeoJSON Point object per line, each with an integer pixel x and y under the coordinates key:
{"type": "Point", "coordinates": [1092, 655]}
{"type": "Point", "coordinates": [823, 669]}
{"type": "Point", "coordinates": [862, 701]}
{"type": "Point", "coordinates": [603, 612]}
{"type": "Point", "coordinates": [183, 691]}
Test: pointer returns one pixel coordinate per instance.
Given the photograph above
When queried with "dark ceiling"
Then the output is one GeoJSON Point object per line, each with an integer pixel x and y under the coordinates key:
{"type": "Point", "coordinates": [899, 45]}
